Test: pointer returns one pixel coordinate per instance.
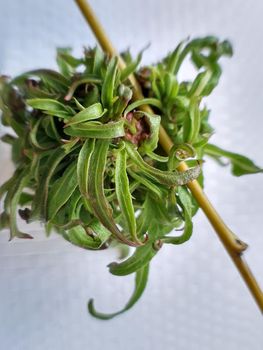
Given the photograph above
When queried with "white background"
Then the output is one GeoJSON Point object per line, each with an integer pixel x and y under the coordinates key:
{"type": "Point", "coordinates": [195, 298]}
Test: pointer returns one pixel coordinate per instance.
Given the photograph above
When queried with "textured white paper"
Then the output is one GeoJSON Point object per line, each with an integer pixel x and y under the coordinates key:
{"type": "Point", "coordinates": [195, 299]}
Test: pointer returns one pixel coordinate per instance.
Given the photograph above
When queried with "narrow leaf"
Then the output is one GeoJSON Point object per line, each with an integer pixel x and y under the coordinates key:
{"type": "Point", "coordinates": [123, 193]}
{"type": "Point", "coordinates": [94, 111]}
{"type": "Point", "coordinates": [39, 204]}
{"type": "Point", "coordinates": [241, 165]}
{"type": "Point", "coordinates": [62, 189]}
{"type": "Point", "coordinates": [185, 200]}
{"type": "Point", "coordinates": [140, 258]}
{"type": "Point", "coordinates": [99, 57]}
{"type": "Point", "coordinates": [168, 178]}
{"type": "Point", "coordinates": [109, 84]}
{"type": "Point", "coordinates": [158, 191]}
{"type": "Point", "coordinates": [97, 130]}
{"type": "Point", "coordinates": [50, 106]}
{"type": "Point", "coordinates": [141, 278]}
{"type": "Point", "coordinates": [145, 101]}
{"type": "Point", "coordinates": [83, 165]}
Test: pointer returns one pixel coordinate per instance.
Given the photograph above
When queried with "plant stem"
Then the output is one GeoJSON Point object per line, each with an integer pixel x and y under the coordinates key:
{"type": "Point", "coordinates": [233, 245]}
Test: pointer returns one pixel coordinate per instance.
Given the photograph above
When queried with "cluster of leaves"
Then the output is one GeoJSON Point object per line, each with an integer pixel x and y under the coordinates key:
{"type": "Point", "coordinates": [87, 159]}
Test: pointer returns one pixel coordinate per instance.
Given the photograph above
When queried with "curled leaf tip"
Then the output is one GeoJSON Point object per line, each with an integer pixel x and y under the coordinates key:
{"type": "Point", "coordinates": [141, 278]}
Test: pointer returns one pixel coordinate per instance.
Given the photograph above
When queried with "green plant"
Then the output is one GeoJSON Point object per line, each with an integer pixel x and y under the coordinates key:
{"type": "Point", "coordinates": [88, 160]}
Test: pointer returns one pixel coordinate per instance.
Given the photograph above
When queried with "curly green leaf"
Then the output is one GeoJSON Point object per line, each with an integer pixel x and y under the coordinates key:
{"type": "Point", "coordinates": [141, 278]}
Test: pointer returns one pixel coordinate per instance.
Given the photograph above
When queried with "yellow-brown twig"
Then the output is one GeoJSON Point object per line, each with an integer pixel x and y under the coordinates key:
{"type": "Point", "coordinates": [233, 245]}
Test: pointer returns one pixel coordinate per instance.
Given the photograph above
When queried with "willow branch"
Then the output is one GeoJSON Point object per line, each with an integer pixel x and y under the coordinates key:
{"type": "Point", "coordinates": [233, 245]}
